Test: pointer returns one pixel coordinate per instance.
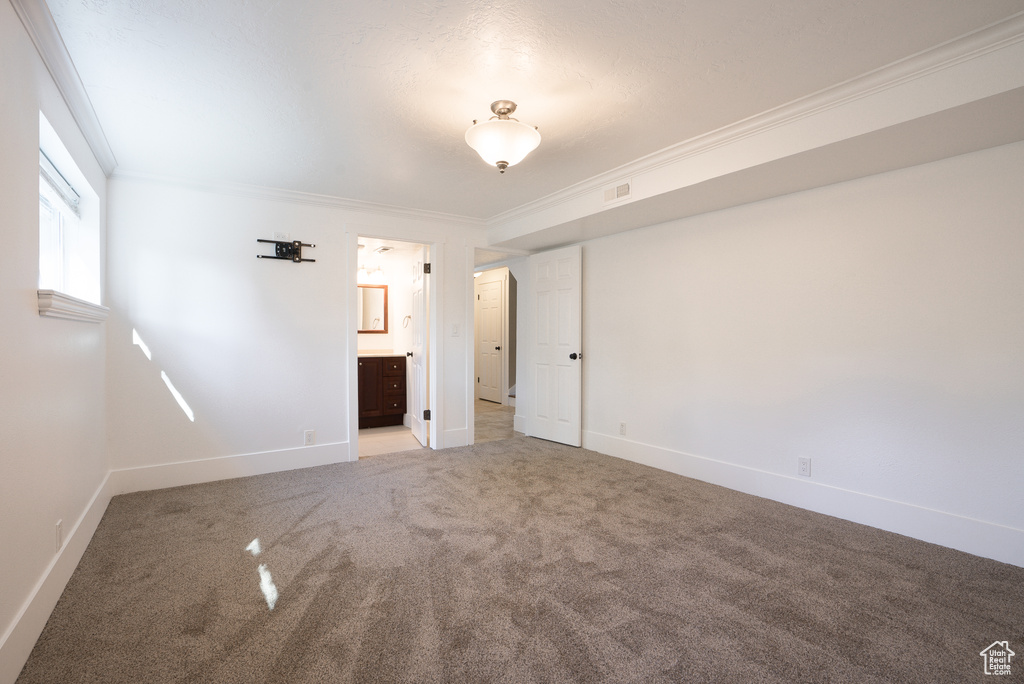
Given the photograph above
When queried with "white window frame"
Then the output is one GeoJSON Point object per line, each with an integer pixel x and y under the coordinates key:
{"type": "Point", "coordinates": [69, 235]}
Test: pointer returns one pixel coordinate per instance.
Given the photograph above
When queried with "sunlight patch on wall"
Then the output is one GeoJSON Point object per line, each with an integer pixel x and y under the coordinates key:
{"type": "Point", "coordinates": [177, 397]}
{"type": "Point", "coordinates": [137, 340]}
{"type": "Point", "coordinates": [142, 345]}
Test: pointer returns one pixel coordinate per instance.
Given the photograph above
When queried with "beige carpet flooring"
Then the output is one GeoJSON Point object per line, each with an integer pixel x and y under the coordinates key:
{"type": "Point", "coordinates": [512, 561]}
{"type": "Point", "coordinates": [492, 421]}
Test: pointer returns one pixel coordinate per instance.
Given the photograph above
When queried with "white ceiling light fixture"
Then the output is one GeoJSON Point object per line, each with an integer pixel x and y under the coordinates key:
{"type": "Point", "coordinates": [502, 141]}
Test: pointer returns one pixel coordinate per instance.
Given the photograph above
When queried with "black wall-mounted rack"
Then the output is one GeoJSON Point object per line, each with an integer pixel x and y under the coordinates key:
{"type": "Point", "coordinates": [289, 251]}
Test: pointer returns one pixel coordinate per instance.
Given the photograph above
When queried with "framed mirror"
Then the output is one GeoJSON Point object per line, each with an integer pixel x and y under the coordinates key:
{"type": "Point", "coordinates": [372, 309]}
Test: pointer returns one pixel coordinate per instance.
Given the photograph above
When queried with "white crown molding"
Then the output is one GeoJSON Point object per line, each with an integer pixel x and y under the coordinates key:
{"type": "Point", "coordinates": [298, 197]}
{"type": "Point", "coordinates": [39, 24]}
{"type": "Point", "coordinates": [946, 55]}
{"type": "Point", "coordinates": [53, 304]}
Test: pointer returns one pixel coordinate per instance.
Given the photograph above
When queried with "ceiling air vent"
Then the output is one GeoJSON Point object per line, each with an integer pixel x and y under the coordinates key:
{"type": "Point", "coordinates": [617, 192]}
{"type": "Point", "coordinates": [383, 249]}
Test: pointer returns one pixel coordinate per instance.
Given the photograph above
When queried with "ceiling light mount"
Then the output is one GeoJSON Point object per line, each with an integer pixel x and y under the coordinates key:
{"type": "Point", "coordinates": [502, 108]}
{"type": "Point", "coordinates": [502, 141]}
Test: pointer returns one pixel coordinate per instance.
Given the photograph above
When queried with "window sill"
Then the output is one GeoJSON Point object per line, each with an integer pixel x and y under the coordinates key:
{"type": "Point", "coordinates": [55, 304]}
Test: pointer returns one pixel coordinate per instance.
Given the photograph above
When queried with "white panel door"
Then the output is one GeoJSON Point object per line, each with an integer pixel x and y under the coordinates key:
{"type": "Point", "coordinates": [556, 287]}
{"type": "Point", "coordinates": [418, 366]}
{"type": "Point", "coordinates": [489, 335]}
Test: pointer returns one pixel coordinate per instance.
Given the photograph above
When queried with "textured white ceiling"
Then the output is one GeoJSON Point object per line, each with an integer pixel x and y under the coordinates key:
{"type": "Point", "coordinates": [370, 100]}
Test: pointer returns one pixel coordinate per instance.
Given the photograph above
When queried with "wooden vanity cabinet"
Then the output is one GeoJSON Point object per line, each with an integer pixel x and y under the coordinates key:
{"type": "Point", "coordinates": [381, 391]}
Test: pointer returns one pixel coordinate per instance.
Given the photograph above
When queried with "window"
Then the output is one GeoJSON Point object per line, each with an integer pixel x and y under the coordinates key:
{"type": "Point", "coordinates": [69, 234]}
{"type": "Point", "coordinates": [60, 264]}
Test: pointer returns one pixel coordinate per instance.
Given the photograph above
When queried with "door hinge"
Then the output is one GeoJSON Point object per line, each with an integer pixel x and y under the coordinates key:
{"type": "Point", "coordinates": [426, 414]}
{"type": "Point", "coordinates": [426, 268]}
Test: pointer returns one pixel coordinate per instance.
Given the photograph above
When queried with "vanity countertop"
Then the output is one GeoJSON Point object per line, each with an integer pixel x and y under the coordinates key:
{"type": "Point", "coordinates": [377, 352]}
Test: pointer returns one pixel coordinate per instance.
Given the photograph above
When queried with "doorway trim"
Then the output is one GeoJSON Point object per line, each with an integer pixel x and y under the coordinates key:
{"type": "Point", "coordinates": [435, 364]}
{"type": "Point", "coordinates": [513, 261]}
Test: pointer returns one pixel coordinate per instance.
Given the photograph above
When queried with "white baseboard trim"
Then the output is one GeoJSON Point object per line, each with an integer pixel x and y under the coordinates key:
{"type": "Point", "coordinates": [21, 636]}
{"type": "Point", "coordinates": [998, 542]}
{"type": "Point", "coordinates": [519, 423]}
{"type": "Point", "coordinates": [145, 478]}
{"type": "Point", "coordinates": [454, 438]}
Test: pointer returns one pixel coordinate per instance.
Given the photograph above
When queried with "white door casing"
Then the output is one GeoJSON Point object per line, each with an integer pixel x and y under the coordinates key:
{"type": "Point", "coordinates": [418, 363]}
{"type": "Point", "coordinates": [556, 356]}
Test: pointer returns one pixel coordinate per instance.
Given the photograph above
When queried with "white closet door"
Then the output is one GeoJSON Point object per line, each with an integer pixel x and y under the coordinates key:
{"type": "Point", "coordinates": [556, 292]}
{"type": "Point", "coordinates": [489, 335]}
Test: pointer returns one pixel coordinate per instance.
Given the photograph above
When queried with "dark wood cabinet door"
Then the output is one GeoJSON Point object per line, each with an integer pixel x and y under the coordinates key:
{"type": "Point", "coordinates": [371, 394]}
{"type": "Point", "coordinates": [381, 391]}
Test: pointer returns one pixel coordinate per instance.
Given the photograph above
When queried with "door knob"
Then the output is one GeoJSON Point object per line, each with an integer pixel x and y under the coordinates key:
{"type": "Point", "coordinates": [409, 354]}
{"type": "Point", "coordinates": [573, 356]}
{"type": "Point", "coordinates": [497, 349]}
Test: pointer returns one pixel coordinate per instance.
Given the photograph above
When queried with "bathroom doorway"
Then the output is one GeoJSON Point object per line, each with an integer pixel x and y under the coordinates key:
{"type": "Point", "coordinates": [393, 345]}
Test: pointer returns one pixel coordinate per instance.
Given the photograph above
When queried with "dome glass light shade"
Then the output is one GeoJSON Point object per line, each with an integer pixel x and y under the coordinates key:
{"type": "Point", "coordinates": [502, 142]}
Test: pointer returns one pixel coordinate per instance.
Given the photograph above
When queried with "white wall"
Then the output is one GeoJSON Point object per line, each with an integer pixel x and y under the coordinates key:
{"type": "Point", "coordinates": [52, 461]}
{"type": "Point", "coordinates": [874, 326]}
{"type": "Point", "coordinates": [259, 348]}
{"type": "Point", "coordinates": [397, 269]}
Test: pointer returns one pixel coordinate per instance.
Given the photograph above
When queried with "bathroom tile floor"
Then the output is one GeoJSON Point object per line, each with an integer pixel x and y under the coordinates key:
{"type": "Point", "coordinates": [386, 440]}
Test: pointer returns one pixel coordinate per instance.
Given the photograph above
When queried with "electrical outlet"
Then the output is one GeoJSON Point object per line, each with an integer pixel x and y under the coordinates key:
{"type": "Point", "coordinates": [310, 438]}
{"type": "Point", "coordinates": [803, 467]}
{"type": "Point", "coordinates": [622, 428]}
{"type": "Point", "coordinates": [60, 534]}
